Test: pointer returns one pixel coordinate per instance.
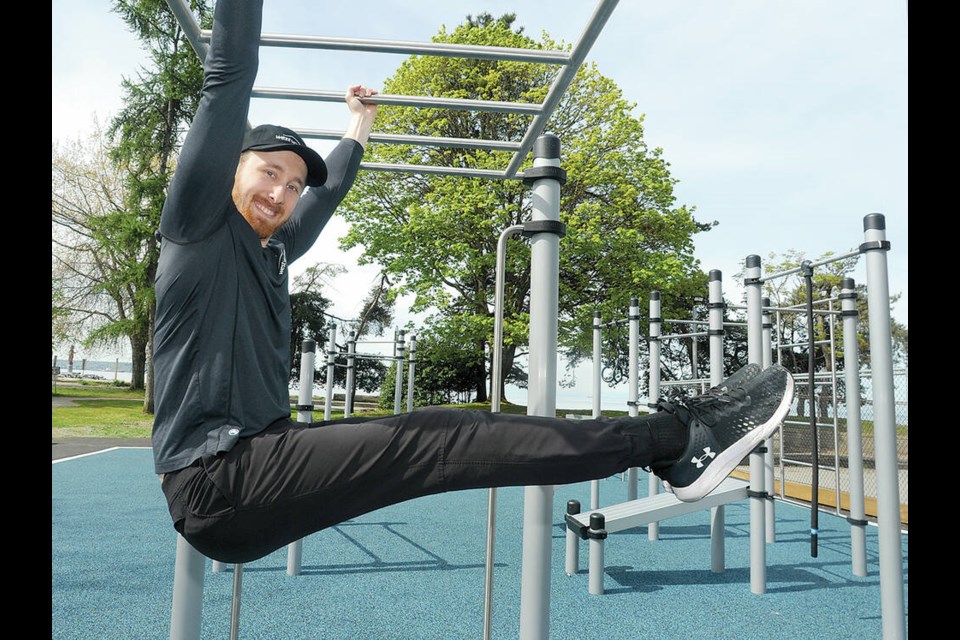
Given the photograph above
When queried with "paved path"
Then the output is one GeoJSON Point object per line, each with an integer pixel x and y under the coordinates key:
{"type": "Point", "coordinates": [69, 447]}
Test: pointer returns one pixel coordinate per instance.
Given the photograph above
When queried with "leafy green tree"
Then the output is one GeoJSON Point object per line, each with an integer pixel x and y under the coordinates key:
{"type": "Point", "coordinates": [310, 319]}
{"type": "Point", "coordinates": [97, 262]}
{"type": "Point", "coordinates": [789, 294]}
{"type": "Point", "coordinates": [158, 107]}
{"type": "Point", "coordinates": [446, 366]}
{"type": "Point", "coordinates": [437, 235]}
{"type": "Point", "coordinates": [308, 313]}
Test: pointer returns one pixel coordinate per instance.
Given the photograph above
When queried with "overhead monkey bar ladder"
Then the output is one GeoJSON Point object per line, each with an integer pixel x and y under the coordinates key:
{"type": "Point", "coordinates": [543, 178]}
{"type": "Point", "coordinates": [567, 62]}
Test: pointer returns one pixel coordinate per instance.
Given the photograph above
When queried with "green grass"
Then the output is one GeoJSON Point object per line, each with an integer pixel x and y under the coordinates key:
{"type": "Point", "coordinates": [93, 390]}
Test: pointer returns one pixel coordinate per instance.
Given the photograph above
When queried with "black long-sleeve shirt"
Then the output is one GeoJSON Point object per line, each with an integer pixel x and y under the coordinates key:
{"type": "Point", "coordinates": [222, 339]}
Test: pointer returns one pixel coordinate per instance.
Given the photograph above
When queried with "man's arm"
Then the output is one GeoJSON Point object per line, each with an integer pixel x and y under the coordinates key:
{"type": "Point", "coordinates": [200, 192]}
{"type": "Point", "coordinates": [318, 204]}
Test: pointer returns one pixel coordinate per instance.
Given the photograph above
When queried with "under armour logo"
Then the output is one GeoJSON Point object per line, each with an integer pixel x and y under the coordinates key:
{"type": "Point", "coordinates": [707, 453]}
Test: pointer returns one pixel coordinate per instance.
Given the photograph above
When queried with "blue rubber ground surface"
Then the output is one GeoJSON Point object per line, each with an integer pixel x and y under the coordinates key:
{"type": "Point", "coordinates": [416, 571]}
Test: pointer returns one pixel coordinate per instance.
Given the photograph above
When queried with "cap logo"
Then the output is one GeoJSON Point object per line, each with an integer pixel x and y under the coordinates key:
{"type": "Point", "coordinates": [285, 138]}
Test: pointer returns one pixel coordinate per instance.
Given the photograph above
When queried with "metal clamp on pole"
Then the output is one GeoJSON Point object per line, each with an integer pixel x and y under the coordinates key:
{"type": "Point", "coordinates": [544, 226]}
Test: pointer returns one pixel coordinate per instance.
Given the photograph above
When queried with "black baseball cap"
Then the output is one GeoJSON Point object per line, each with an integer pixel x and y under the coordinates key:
{"type": "Point", "coordinates": [270, 137]}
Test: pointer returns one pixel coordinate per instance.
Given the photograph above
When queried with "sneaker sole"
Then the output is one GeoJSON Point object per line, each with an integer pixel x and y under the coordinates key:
{"type": "Point", "coordinates": [728, 459]}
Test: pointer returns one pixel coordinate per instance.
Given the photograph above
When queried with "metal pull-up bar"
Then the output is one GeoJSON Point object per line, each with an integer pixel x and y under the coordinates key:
{"type": "Point", "coordinates": [568, 63]}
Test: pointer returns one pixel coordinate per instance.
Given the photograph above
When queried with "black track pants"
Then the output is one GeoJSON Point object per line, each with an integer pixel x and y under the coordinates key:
{"type": "Point", "coordinates": [294, 479]}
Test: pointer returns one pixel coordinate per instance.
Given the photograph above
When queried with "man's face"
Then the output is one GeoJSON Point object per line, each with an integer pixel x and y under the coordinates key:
{"type": "Point", "coordinates": [267, 187]}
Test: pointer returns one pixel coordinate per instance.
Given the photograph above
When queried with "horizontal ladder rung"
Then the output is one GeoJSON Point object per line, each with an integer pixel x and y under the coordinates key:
{"type": "Point", "coordinates": [431, 141]}
{"type": "Point", "coordinates": [460, 104]}
{"type": "Point", "coordinates": [447, 171]}
{"type": "Point", "coordinates": [444, 49]}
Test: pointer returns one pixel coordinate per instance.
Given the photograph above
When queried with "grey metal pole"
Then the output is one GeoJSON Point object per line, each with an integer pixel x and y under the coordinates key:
{"type": "Point", "coordinates": [411, 368]}
{"type": "Point", "coordinates": [496, 368]}
{"type": "Point", "coordinates": [351, 375]}
{"type": "Point", "coordinates": [308, 358]}
{"type": "Point", "coordinates": [235, 602]}
{"type": "Point", "coordinates": [597, 366]}
{"type": "Point", "coordinates": [715, 328]}
{"type": "Point", "coordinates": [851, 358]}
{"type": "Point", "coordinates": [768, 457]}
{"type": "Point", "coordinates": [546, 176]}
{"type": "Point", "coordinates": [398, 380]}
{"type": "Point", "coordinates": [331, 369]}
{"type": "Point", "coordinates": [634, 393]}
{"type": "Point", "coordinates": [758, 552]}
{"type": "Point", "coordinates": [653, 529]}
{"type": "Point", "coordinates": [715, 333]}
{"type": "Point", "coordinates": [875, 246]}
{"type": "Point", "coordinates": [187, 611]}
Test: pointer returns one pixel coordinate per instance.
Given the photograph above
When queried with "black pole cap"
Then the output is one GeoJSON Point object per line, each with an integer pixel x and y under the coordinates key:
{"type": "Point", "coordinates": [874, 221]}
{"type": "Point", "coordinates": [547, 146]}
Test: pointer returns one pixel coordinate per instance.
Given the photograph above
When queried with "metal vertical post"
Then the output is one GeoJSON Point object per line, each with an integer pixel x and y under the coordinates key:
{"type": "Point", "coordinates": [634, 386]}
{"type": "Point", "coordinates": [411, 368]}
{"type": "Point", "coordinates": [496, 368]}
{"type": "Point", "coordinates": [715, 326]}
{"type": "Point", "coordinates": [653, 529]}
{"type": "Point", "coordinates": [546, 176]}
{"type": "Point", "coordinates": [875, 246]}
{"type": "Point", "coordinates": [351, 375]}
{"type": "Point", "coordinates": [398, 380]}
{"type": "Point", "coordinates": [715, 335]}
{"type": "Point", "coordinates": [758, 551]}
{"type": "Point", "coordinates": [308, 358]}
{"type": "Point", "coordinates": [597, 372]}
{"type": "Point", "coordinates": [768, 457]}
{"type": "Point", "coordinates": [188, 573]}
{"type": "Point", "coordinates": [331, 369]}
{"type": "Point", "coordinates": [851, 359]}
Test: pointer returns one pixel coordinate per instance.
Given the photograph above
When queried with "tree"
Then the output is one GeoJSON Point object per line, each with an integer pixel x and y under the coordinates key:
{"type": "Point", "coordinates": [446, 366]}
{"type": "Point", "coordinates": [437, 235]}
{"type": "Point", "coordinates": [158, 108]}
{"type": "Point", "coordinates": [99, 291]}
{"type": "Point", "coordinates": [790, 292]}
{"type": "Point", "coordinates": [311, 320]}
{"type": "Point", "coordinates": [308, 313]}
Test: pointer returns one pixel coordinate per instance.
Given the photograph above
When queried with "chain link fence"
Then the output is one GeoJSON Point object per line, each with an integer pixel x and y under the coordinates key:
{"type": "Point", "coordinates": [793, 444]}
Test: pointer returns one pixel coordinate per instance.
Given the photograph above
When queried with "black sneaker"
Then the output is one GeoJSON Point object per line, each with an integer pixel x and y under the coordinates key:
{"type": "Point", "coordinates": [726, 423]}
{"type": "Point", "coordinates": [739, 378]}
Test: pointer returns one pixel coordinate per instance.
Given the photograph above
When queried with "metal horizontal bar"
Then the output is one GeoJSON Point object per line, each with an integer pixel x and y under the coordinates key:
{"type": "Point", "coordinates": [442, 49]}
{"type": "Point", "coordinates": [802, 309]}
{"type": "Point", "coordinates": [803, 344]}
{"type": "Point", "coordinates": [431, 141]}
{"type": "Point", "coordinates": [563, 79]}
{"type": "Point", "coordinates": [405, 101]}
{"type": "Point", "coordinates": [683, 335]}
{"type": "Point", "coordinates": [190, 27]}
{"type": "Point", "coordinates": [812, 264]}
{"type": "Point", "coordinates": [422, 168]}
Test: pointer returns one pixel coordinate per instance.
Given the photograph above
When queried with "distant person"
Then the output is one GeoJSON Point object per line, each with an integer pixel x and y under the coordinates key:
{"type": "Point", "coordinates": [241, 477]}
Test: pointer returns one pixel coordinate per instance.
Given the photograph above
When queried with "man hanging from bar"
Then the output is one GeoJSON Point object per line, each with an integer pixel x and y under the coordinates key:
{"type": "Point", "coordinates": [240, 476]}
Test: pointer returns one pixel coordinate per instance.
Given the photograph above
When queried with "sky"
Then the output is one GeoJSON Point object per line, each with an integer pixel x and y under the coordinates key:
{"type": "Point", "coordinates": [783, 120]}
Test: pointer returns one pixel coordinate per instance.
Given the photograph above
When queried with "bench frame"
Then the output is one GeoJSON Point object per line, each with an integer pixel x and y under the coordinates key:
{"type": "Point", "coordinates": [596, 524]}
